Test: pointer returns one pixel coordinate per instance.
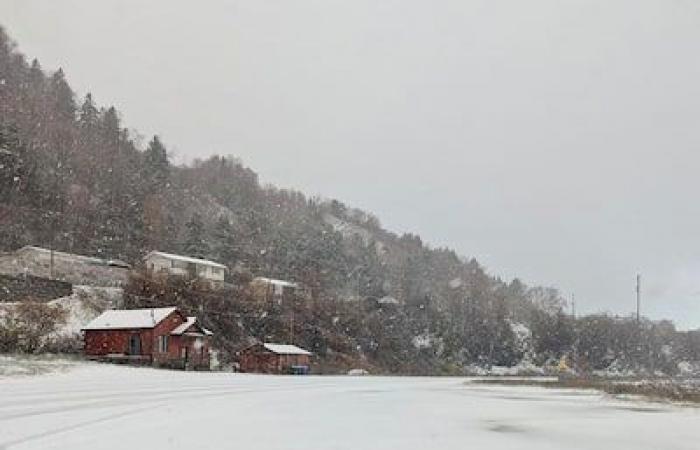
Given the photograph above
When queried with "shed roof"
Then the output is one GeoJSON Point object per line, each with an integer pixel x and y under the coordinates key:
{"type": "Point", "coordinates": [116, 319]}
{"type": "Point", "coordinates": [388, 300]}
{"type": "Point", "coordinates": [285, 349]}
{"type": "Point", "coordinates": [275, 282]}
{"type": "Point", "coordinates": [188, 259]}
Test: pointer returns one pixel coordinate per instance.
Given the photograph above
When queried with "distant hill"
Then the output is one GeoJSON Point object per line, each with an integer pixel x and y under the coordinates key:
{"type": "Point", "coordinates": [73, 178]}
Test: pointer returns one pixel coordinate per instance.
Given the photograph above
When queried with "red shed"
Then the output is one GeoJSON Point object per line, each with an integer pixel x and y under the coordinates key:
{"type": "Point", "coordinates": [275, 358]}
{"type": "Point", "coordinates": [158, 336]}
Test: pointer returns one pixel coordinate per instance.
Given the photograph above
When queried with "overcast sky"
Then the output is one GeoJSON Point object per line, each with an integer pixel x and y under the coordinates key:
{"type": "Point", "coordinates": [557, 141]}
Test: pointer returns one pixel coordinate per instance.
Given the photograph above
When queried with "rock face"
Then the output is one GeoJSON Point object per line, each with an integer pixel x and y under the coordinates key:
{"type": "Point", "coordinates": [81, 285]}
{"type": "Point", "coordinates": [16, 288]}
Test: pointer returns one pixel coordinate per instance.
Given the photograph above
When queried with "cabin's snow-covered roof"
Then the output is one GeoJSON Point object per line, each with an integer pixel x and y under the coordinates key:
{"type": "Point", "coordinates": [388, 300]}
{"type": "Point", "coordinates": [188, 259]}
{"type": "Point", "coordinates": [285, 349]}
{"type": "Point", "coordinates": [275, 282]}
{"type": "Point", "coordinates": [183, 327]}
{"type": "Point", "coordinates": [116, 319]}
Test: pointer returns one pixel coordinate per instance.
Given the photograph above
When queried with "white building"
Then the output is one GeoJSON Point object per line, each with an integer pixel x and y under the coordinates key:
{"type": "Point", "coordinates": [185, 266]}
{"type": "Point", "coordinates": [271, 289]}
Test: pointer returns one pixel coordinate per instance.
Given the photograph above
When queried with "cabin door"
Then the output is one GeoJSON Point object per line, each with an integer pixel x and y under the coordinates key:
{"type": "Point", "coordinates": [134, 344]}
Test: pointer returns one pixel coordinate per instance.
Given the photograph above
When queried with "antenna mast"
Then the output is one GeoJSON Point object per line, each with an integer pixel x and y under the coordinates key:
{"type": "Point", "coordinates": [639, 293]}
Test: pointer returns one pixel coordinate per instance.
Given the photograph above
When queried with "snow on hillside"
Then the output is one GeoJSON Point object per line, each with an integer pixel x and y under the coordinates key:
{"type": "Point", "coordinates": [86, 303]}
{"type": "Point", "coordinates": [428, 340]}
{"type": "Point", "coordinates": [349, 230]}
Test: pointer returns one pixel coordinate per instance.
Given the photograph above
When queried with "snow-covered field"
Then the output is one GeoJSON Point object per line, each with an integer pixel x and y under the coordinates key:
{"type": "Point", "coordinates": [11, 365]}
{"type": "Point", "coordinates": [95, 406]}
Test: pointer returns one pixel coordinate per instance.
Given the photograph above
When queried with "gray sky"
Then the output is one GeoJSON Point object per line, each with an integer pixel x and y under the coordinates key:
{"type": "Point", "coordinates": [556, 141]}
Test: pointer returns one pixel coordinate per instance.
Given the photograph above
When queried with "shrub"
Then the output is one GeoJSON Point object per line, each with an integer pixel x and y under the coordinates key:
{"type": "Point", "coordinates": [26, 327]}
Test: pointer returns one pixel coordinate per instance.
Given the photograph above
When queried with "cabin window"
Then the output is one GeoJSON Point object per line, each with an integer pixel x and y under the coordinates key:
{"type": "Point", "coordinates": [163, 344]}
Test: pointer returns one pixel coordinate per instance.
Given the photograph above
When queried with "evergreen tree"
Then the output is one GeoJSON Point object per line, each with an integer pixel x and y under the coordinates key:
{"type": "Point", "coordinates": [88, 142]}
{"type": "Point", "coordinates": [89, 115]}
{"type": "Point", "coordinates": [155, 174]}
{"type": "Point", "coordinates": [156, 166]}
{"type": "Point", "coordinates": [226, 245]}
{"type": "Point", "coordinates": [195, 243]}
{"type": "Point", "coordinates": [62, 97]}
{"type": "Point", "coordinates": [110, 127]}
{"type": "Point", "coordinates": [10, 165]}
{"type": "Point", "coordinates": [61, 101]}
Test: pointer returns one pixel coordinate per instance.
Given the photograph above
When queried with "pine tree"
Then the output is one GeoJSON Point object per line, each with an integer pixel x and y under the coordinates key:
{"type": "Point", "coordinates": [61, 100]}
{"type": "Point", "coordinates": [62, 97]}
{"type": "Point", "coordinates": [88, 143]}
{"type": "Point", "coordinates": [195, 243]}
{"type": "Point", "coordinates": [36, 78]}
{"type": "Point", "coordinates": [226, 245]}
{"type": "Point", "coordinates": [155, 174]}
{"type": "Point", "coordinates": [10, 165]}
{"type": "Point", "coordinates": [110, 127]}
{"type": "Point", "coordinates": [89, 115]}
{"type": "Point", "coordinates": [156, 165]}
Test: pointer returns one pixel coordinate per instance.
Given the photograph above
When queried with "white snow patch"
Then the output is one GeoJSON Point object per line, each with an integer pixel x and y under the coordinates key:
{"type": "Point", "coordinates": [422, 341]}
{"type": "Point", "coordinates": [523, 368]}
{"type": "Point", "coordinates": [455, 283]}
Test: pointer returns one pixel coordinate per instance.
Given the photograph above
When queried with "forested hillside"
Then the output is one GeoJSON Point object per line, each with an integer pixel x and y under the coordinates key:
{"type": "Point", "coordinates": [73, 178]}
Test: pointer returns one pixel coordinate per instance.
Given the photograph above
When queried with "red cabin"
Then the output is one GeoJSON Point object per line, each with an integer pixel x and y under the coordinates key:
{"type": "Point", "coordinates": [158, 336]}
{"type": "Point", "coordinates": [275, 358]}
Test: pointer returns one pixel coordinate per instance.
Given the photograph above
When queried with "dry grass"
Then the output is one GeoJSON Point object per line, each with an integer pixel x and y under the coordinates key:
{"type": "Point", "coordinates": [682, 391]}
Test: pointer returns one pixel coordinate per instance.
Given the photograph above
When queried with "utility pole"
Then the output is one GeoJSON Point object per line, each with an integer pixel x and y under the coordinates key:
{"type": "Point", "coordinates": [51, 261]}
{"type": "Point", "coordinates": [291, 327]}
{"type": "Point", "coordinates": [639, 292]}
{"type": "Point", "coordinates": [53, 244]}
{"type": "Point", "coordinates": [154, 342]}
{"type": "Point", "coordinates": [573, 306]}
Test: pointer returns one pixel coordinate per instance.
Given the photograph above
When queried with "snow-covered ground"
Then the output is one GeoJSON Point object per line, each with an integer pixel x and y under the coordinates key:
{"type": "Point", "coordinates": [15, 365]}
{"type": "Point", "coordinates": [102, 406]}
